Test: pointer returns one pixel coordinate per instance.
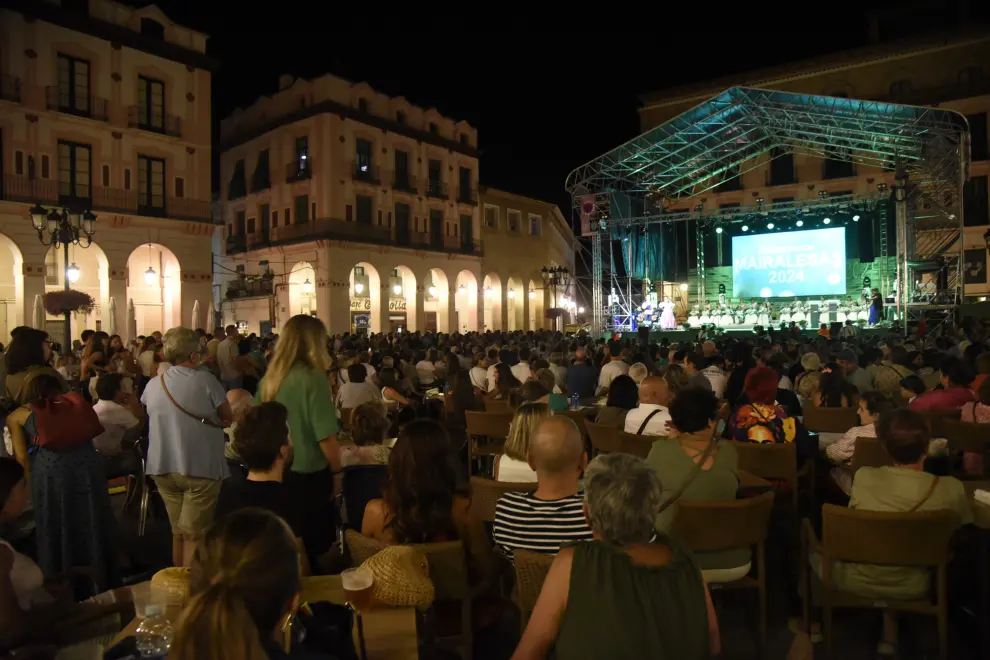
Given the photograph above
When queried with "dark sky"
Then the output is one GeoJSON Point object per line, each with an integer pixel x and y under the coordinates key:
{"type": "Point", "coordinates": [545, 98]}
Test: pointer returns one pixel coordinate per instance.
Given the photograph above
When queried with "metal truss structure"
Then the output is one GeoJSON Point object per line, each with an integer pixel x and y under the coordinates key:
{"type": "Point", "coordinates": [740, 129]}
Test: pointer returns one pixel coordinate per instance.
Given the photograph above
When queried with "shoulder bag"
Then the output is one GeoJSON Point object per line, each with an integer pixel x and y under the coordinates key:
{"type": "Point", "coordinates": [642, 427]}
{"type": "Point", "coordinates": [931, 490]}
{"type": "Point", "coordinates": [201, 420]}
{"type": "Point", "coordinates": [709, 450]}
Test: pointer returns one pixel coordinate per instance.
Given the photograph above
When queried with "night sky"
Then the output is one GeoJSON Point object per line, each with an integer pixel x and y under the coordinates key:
{"type": "Point", "coordinates": [546, 98]}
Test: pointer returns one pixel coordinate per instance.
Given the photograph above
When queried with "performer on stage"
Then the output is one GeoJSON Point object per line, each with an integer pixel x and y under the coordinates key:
{"type": "Point", "coordinates": [706, 314]}
{"type": "Point", "coordinates": [725, 318]}
{"type": "Point", "coordinates": [823, 311]}
{"type": "Point", "coordinates": [694, 317]}
{"type": "Point", "coordinates": [750, 314]}
{"type": "Point", "coordinates": [797, 313]}
{"type": "Point", "coordinates": [763, 317]}
{"type": "Point", "coordinates": [876, 308]}
{"type": "Point", "coordinates": [668, 321]}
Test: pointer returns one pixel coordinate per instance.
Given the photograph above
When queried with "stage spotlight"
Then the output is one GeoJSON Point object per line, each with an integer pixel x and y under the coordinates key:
{"type": "Point", "coordinates": [827, 221]}
{"type": "Point", "coordinates": [856, 218]}
{"type": "Point", "coordinates": [745, 228]}
{"type": "Point", "coordinates": [718, 230]}
{"type": "Point", "coordinates": [799, 223]}
{"type": "Point", "coordinates": [683, 286]}
{"type": "Point", "coordinates": [769, 225]}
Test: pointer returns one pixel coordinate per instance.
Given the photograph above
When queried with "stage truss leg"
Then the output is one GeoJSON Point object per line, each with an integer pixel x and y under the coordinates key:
{"type": "Point", "coordinates": [699, 239]}
{"type": "Point", "coordinates": [598, 284]}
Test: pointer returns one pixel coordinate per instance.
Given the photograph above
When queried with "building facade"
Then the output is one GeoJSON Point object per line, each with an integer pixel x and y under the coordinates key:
{"type": "Point", "coordinates": [355, 207]}
{"type": "Point", "coordinates": [106, 108]}
{"type": "Point", "coordinates": [946, 70]}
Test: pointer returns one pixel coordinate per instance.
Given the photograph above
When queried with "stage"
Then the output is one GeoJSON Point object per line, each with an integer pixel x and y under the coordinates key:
{"type": "Point", "coordinates": [737, 331]}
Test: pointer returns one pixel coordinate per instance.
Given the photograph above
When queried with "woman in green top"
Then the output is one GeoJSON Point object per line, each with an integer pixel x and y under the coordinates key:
{"type": "Point", "coordinates": [629, 593]}
{"type": "Point", "coordinates": [297, 378]}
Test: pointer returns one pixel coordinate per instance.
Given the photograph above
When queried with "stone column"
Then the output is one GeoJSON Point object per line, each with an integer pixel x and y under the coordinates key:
{"type": "Point", "coordinates": [504, 307]}
{"type": "Point", "coordinates": [480, 308]}
{"type": "Point", "coordinates": [418, 313]}
{"type": "Point", "coordinates": [117, 279]}
{"type": "Point", "coordinates": [452, 323]}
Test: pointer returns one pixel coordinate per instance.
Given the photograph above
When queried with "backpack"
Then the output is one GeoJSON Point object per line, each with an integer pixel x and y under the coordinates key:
{"type": "Point", "coordinates": [65, 422]}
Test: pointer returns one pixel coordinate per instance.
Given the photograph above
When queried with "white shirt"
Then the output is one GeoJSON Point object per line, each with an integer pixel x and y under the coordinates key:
{"type": "Point", "coordinates": [511, 470]}
{"type": "Point", "coordinates": [425, 371]}
{"type": "Point", "coordinates": [27, 580]}
{"type": "Point", "coordinates": [490, 377]}
{"type": "Point", "coordinates": [352, 395]}
{"type": "Point", "coordinates": [226, 353]}
{"type": "Point", "coordinates": [717, 379]}
{"type": "Point", "coordinates": [479, 377]}
{"type": "Point", "coordinates": [370, 369]}
{"type": "Point", "coordinates": [657, 424]}
{"type": "Point", "coordinates": [522, 372]}
{"type": "Point", "coordinates": [146, 361]}
{"type": "Point", "coordinates": [116, 421]}
{"type": "Point", "coordinates": [610, 371]}
{"type": "Point", "coordinates": [559, 373]}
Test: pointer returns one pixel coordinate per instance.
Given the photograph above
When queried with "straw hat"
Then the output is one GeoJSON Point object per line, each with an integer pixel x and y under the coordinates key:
{"type": "Point", "coordinates": [402, 577]}
{"type": "Point", "coordinates": [175, 581]}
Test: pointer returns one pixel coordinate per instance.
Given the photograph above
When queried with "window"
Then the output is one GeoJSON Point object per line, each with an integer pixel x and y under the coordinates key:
{"type": "Point", "coordinates": [781, 167]}
{"type": "Point", "coordinates": [402, 169]}
{"type": "Point", "coordinates": [400, 117]}
{"type": "Point", "coordinates": [312, 208]}
{"type": "Point", "coordinates": [838, 164]}
{"type": "Point", "coordinates": [105, 172]}
{"type": "Point", "coordinates": [464, 138]}
{"type": "Point", "coordinates": [266, 218]}
{"type": "Point", "coordinates": [435, 173]}
{"type": "Point", "coordinates": [239, 223]}
{"type": "Point", "coordinates": [362, 156]}
{"type": "Point", "coordinates": [151, 104]}
{"type": "Point", "coordinates": [464, 192]}
{"type": "Point", "coordinates": [381, 216]}
{"type": "Point", "coordinates": [238, 186]}
{"type": "Point", "coordinates": [363, 209]}
{"type": "Point", "coordinates": [274, 217]}
{"type": "Point", "coordinates": [180, 187]}
{"type": "Point", "coordinates": [434, 128]}
{"type": "Point", "coordinates": [19, 163]}
{"type": "Point", "coordinates": [514, 220]}
{"type": "Point", "coordinates": [127, 178]}
{"type": "Point", "coordinates": [45, 167]}
{"type": "Point", "coordinates": [152, 28]}
{"type": "Point", "coordinates": [731, 180]}
{"type": "Point", "coordinates": [491, 217]}
{"type": "Point", "coordinates": [302, 154]}
{"type": "Point", "coordinates": [252, 225]}
{"type": "Point", "coordinates": [363, 105]}
{"type": "Point", "coordinates": [348, 213]}
{"type": "Point", "coordinates": [302, 209]}
{"type": "Point", "coordinates": [978, 135]}
{"type": "Point", "coordinates": [287, 217]}
{"type": "Point", "coordinates": [74, 170]}
{"type": "Point", "coordinates": [534, 225]}
{"type": "Point", "coordinates": [976, 202]}
{"type": "Point", "coordinates": [261, 177]}
{"type": "Point", "coordinates": [151, 183]}
{"type": "Point", "coordinates": [73, 84]}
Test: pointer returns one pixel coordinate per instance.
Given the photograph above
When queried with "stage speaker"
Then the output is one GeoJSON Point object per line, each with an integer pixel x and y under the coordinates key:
{"type": "Point", "coordinates": [834, 329]}
{"type": "Point", "coordinates": [864, 239]}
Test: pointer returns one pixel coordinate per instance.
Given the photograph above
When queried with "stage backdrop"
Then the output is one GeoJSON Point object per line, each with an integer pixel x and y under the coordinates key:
{"type": "Point", "coordinates": [794, 263]}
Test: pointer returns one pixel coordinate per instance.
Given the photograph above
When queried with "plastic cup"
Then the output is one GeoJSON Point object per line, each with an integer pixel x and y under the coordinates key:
{"type": "Point", "coordinates": [358, 583]}
{"type": "Point", "coordinates": [148, 600]}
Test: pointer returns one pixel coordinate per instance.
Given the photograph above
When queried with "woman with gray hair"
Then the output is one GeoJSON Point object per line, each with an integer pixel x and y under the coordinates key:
{"type": "Point", "coordinates": [187, 412]}
{"type": "Point", "coordinates": [640, 586]}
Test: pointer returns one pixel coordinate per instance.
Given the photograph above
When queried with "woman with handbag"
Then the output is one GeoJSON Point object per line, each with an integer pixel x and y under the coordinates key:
{"type": "Point", "coordinates": [187, 412]}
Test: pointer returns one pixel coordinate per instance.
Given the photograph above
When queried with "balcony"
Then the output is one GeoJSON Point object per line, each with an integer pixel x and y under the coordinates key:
{"type": "Point", "coordinates": [189, 209]}
{"type": "Point", "coordinates": [115, 200]}
{"type": "Point", "coordinates": [436, 189]}
{"type": "Point", "coordinates": [332, 228]}
{"type": "Point", "coordinates": [264, 286]}
{"type": "Point", "coordinates": [22, 189]}
{"type": "Point", "coordinates": [450, 244]}
{"type": "Point", "coordinates": [10, 88]}
{"type": "Point", "coordinates": [293, 172]}
{"type": "Point", "coordinates": [64, 101]}
{"type": "Point", "coordinates": [165, 124]}
{"type": "Point", "coordinates": [467, 196]}
{"type": "Point", "coordinates": [236, 244]}
{"type": "Point", "coordinates": [404, 183]}
{"type": "Point", "coordinates": [366, 173]}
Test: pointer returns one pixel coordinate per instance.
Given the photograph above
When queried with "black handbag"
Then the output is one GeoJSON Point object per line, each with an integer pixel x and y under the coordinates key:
{"type": "Point", "coordinates": [324, 627]}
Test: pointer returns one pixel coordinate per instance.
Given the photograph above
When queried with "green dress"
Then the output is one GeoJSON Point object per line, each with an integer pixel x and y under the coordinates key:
{"type": "Point", "coordinates": [617, 609]}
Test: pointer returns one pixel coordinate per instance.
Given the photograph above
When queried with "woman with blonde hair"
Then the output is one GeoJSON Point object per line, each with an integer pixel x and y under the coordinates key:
{"type": "Point", "coordinates": [676, 378]}
{"type": "Point", "coordinates": [244, 586]}
{"type": "Point", "coordinates": [297, 378]}
{"type": "Point", "coordinates": [513, 464]}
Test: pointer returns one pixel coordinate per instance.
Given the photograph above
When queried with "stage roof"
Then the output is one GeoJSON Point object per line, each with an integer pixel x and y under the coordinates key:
{"type": "Point", "coordinates": [722, 137]}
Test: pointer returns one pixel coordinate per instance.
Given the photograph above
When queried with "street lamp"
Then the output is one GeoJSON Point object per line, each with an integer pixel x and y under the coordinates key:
{"type": "Point", "coordinates": [554, 277]}
{"type": "Point", "coordinates": [62, 228]}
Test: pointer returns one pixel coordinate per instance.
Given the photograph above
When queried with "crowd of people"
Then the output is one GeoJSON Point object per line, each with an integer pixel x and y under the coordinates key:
{"type": "Point", "coordinates": [228, 425]}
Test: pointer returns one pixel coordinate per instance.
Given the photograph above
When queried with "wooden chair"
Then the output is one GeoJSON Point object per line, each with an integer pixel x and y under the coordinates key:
{"type": "Point", "coordinates": [869, 453]}
{"type": "Point", "coordinates": [604, 439]}
{"type": "Point", "coordinates": [485, 494]}
{"type": "Point", "coordinates": [492, 427]}
{"type": "Point", "coordinates": [579, 418]}
{"type": "Point", "coordinates": [346, 415]}
{"type": "Point", "coordinates": [967, 437]}
{"type": "Point", "coordinates": [531, 571]}
{"type": "Point", "coordinates": [497, 405]}
{"type": "Point", "coordinates": [773, 461]}
{"type": "Point", "coordinates": [722, 525]}
{"type": "Point", "coordinates": [920, 539]}
{"type": "Point", "coordinates": [830, 420]}
{"type": "Point", "coordinates": [361, 547]}
{"type": "Point", "coordinates": [638, 445]}
{"type": "Point", "coordinates": [937, 420]}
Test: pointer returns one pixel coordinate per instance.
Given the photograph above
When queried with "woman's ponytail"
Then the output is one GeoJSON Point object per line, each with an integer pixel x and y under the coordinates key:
{"type": "Point", "coordinates": [216, 625]}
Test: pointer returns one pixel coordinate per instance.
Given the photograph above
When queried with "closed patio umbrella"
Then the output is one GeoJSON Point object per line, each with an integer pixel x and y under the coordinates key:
{"type": "Point", "coordinates": [112, 321]}
{"type": "Point", "coordinates": [195, 315]}
{"type": "Point", "coordinates": [38, 316]}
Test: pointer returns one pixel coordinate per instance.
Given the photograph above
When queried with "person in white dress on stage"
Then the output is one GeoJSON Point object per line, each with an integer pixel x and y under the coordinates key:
{"type": "Point", "coordinates": [668, 321]}
{"type": "Point", "coordinates": [694, 318]}
{"type": "Point", "coordinates": [823, 313]}
{"type": "Point", "coordinates": [763, 317]}
{"type": "Point", "coordinates": [706, 314]}
{"type": "Point", "coordinates": [750, 316]}
{"type": "Point", "coordinates": [797, 313]}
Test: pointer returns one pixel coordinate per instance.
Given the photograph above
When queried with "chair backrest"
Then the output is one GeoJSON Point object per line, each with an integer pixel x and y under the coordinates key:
{"type": "Point", "coordinates": [638, 445]}
{"type": "Point", "coordinates": [769, 460]}
{"type": "Point", "coordinates": [869, 453]}
{"type": "Point", "coordinates": [721, 525]}
{"type": "Point", "coordinates": [920, 538]}
{"type": "Point", "coordinates": [491, 424]}
{"type": "Point", "coordinates": [531, 571]}
{"type": "Point", "coordinates": [966, 436]}
{"type": "Point", "coordinates": [361, 547]}
{"type": "Point", "coordinates": [448, 570]}
{"type": "Point", "coordinates": [937, 419]}
{"type": "Point", "coordinates": [579, 418]}
{"type": "Point", "coordinates": [604, 438]}
{"type": "Point", "coordinates": [497, 405]}
{"type": "Point", "coordinates": [485, 494]}
{"type": "Point", "coordinates": [830, 420]}
{"type": "Point", "coordinates": [361, 484]}
{"type": "Point", "coordinates": [346, 415]}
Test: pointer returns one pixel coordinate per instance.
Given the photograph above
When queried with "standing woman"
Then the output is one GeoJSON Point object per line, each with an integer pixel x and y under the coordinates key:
{"type": "Point", "coordinates": [297, 378]}
{"type": "Point", "coordinates": [876, 307]}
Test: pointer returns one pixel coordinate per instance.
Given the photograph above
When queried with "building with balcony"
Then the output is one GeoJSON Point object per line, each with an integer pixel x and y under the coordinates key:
{"type": "Point", "coordinates": [106, 108]}
{"type": "Point", "coordinates": [357, 207]}
{"type": "Point", "coordinates": [948, 70]}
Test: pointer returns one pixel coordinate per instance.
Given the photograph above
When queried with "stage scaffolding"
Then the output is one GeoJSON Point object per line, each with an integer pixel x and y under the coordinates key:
{"type": "Point", "coordinates": [926, 150]}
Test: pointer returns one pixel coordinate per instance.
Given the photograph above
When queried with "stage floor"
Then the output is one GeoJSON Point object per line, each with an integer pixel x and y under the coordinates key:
{"type": "Point", "coordinates": [736, 329]}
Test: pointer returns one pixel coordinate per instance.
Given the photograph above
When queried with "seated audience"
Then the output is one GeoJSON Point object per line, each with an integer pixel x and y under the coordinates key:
{"type": "Point", "coordinates": [762, 419]}
{"type": "Point", "coordinates": [623, 396]}
{"type": "Point", "coordinates": [262, 442]}
{"type": "Point", "coordinates": [615, 366]}
{"type": "Point", "coordinates": [513, 465]}
{"type": "Point", "coordinates": [955, 377]}
{"type": "Point", "coordinates": [544, 520]}
{"type": "Point", "coordinates": [369, 426]}
{"type": "Point", "coordinates": [650, 417]}
{"type": "Point", "coordinates": [834, 391]}
{"type": "Point", "coordinates": [628, 581]}
{"type": "Point", "coordinates": [694, 367]}
{"type": "Point", "coordinates": [581, 378]}
{"type": "Point", "coordinates": [976, 412]}
{"type": "Point", "coordinates": [122, 417]}
{"type": "Point", "coordinates": [556, 401]}
{"type": "Point", "coordinates": [676, 378]}
{"type": "Point", "coordinates": [911, 387]}
{"type": "Point", "coordinates": [871, 406]}
{"type": "Point", "coordinates": [506, 383]}
{"type": "Point", "coordinates": [638, 372]}
{"type": "Point", "coordinates": [391, 388]}
{"type": "Point", "coordinates": [358, 389]}
{"type": "Point", "coordinates": [243, 584]}
{"type": "Point", "coordinates": [715, 373]}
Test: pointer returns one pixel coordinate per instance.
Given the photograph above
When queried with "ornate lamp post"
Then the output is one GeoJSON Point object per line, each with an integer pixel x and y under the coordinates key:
{"type": "Point", "coordinates": [62, 228]}
{"type": "Point", "coordinates": [554, 277]}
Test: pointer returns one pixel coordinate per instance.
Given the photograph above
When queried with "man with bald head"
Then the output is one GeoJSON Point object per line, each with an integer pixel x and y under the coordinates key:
{"type": "Point", "coordinates": [543, 520]}
{"type": "Point", "coordinates": [651, 416]}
